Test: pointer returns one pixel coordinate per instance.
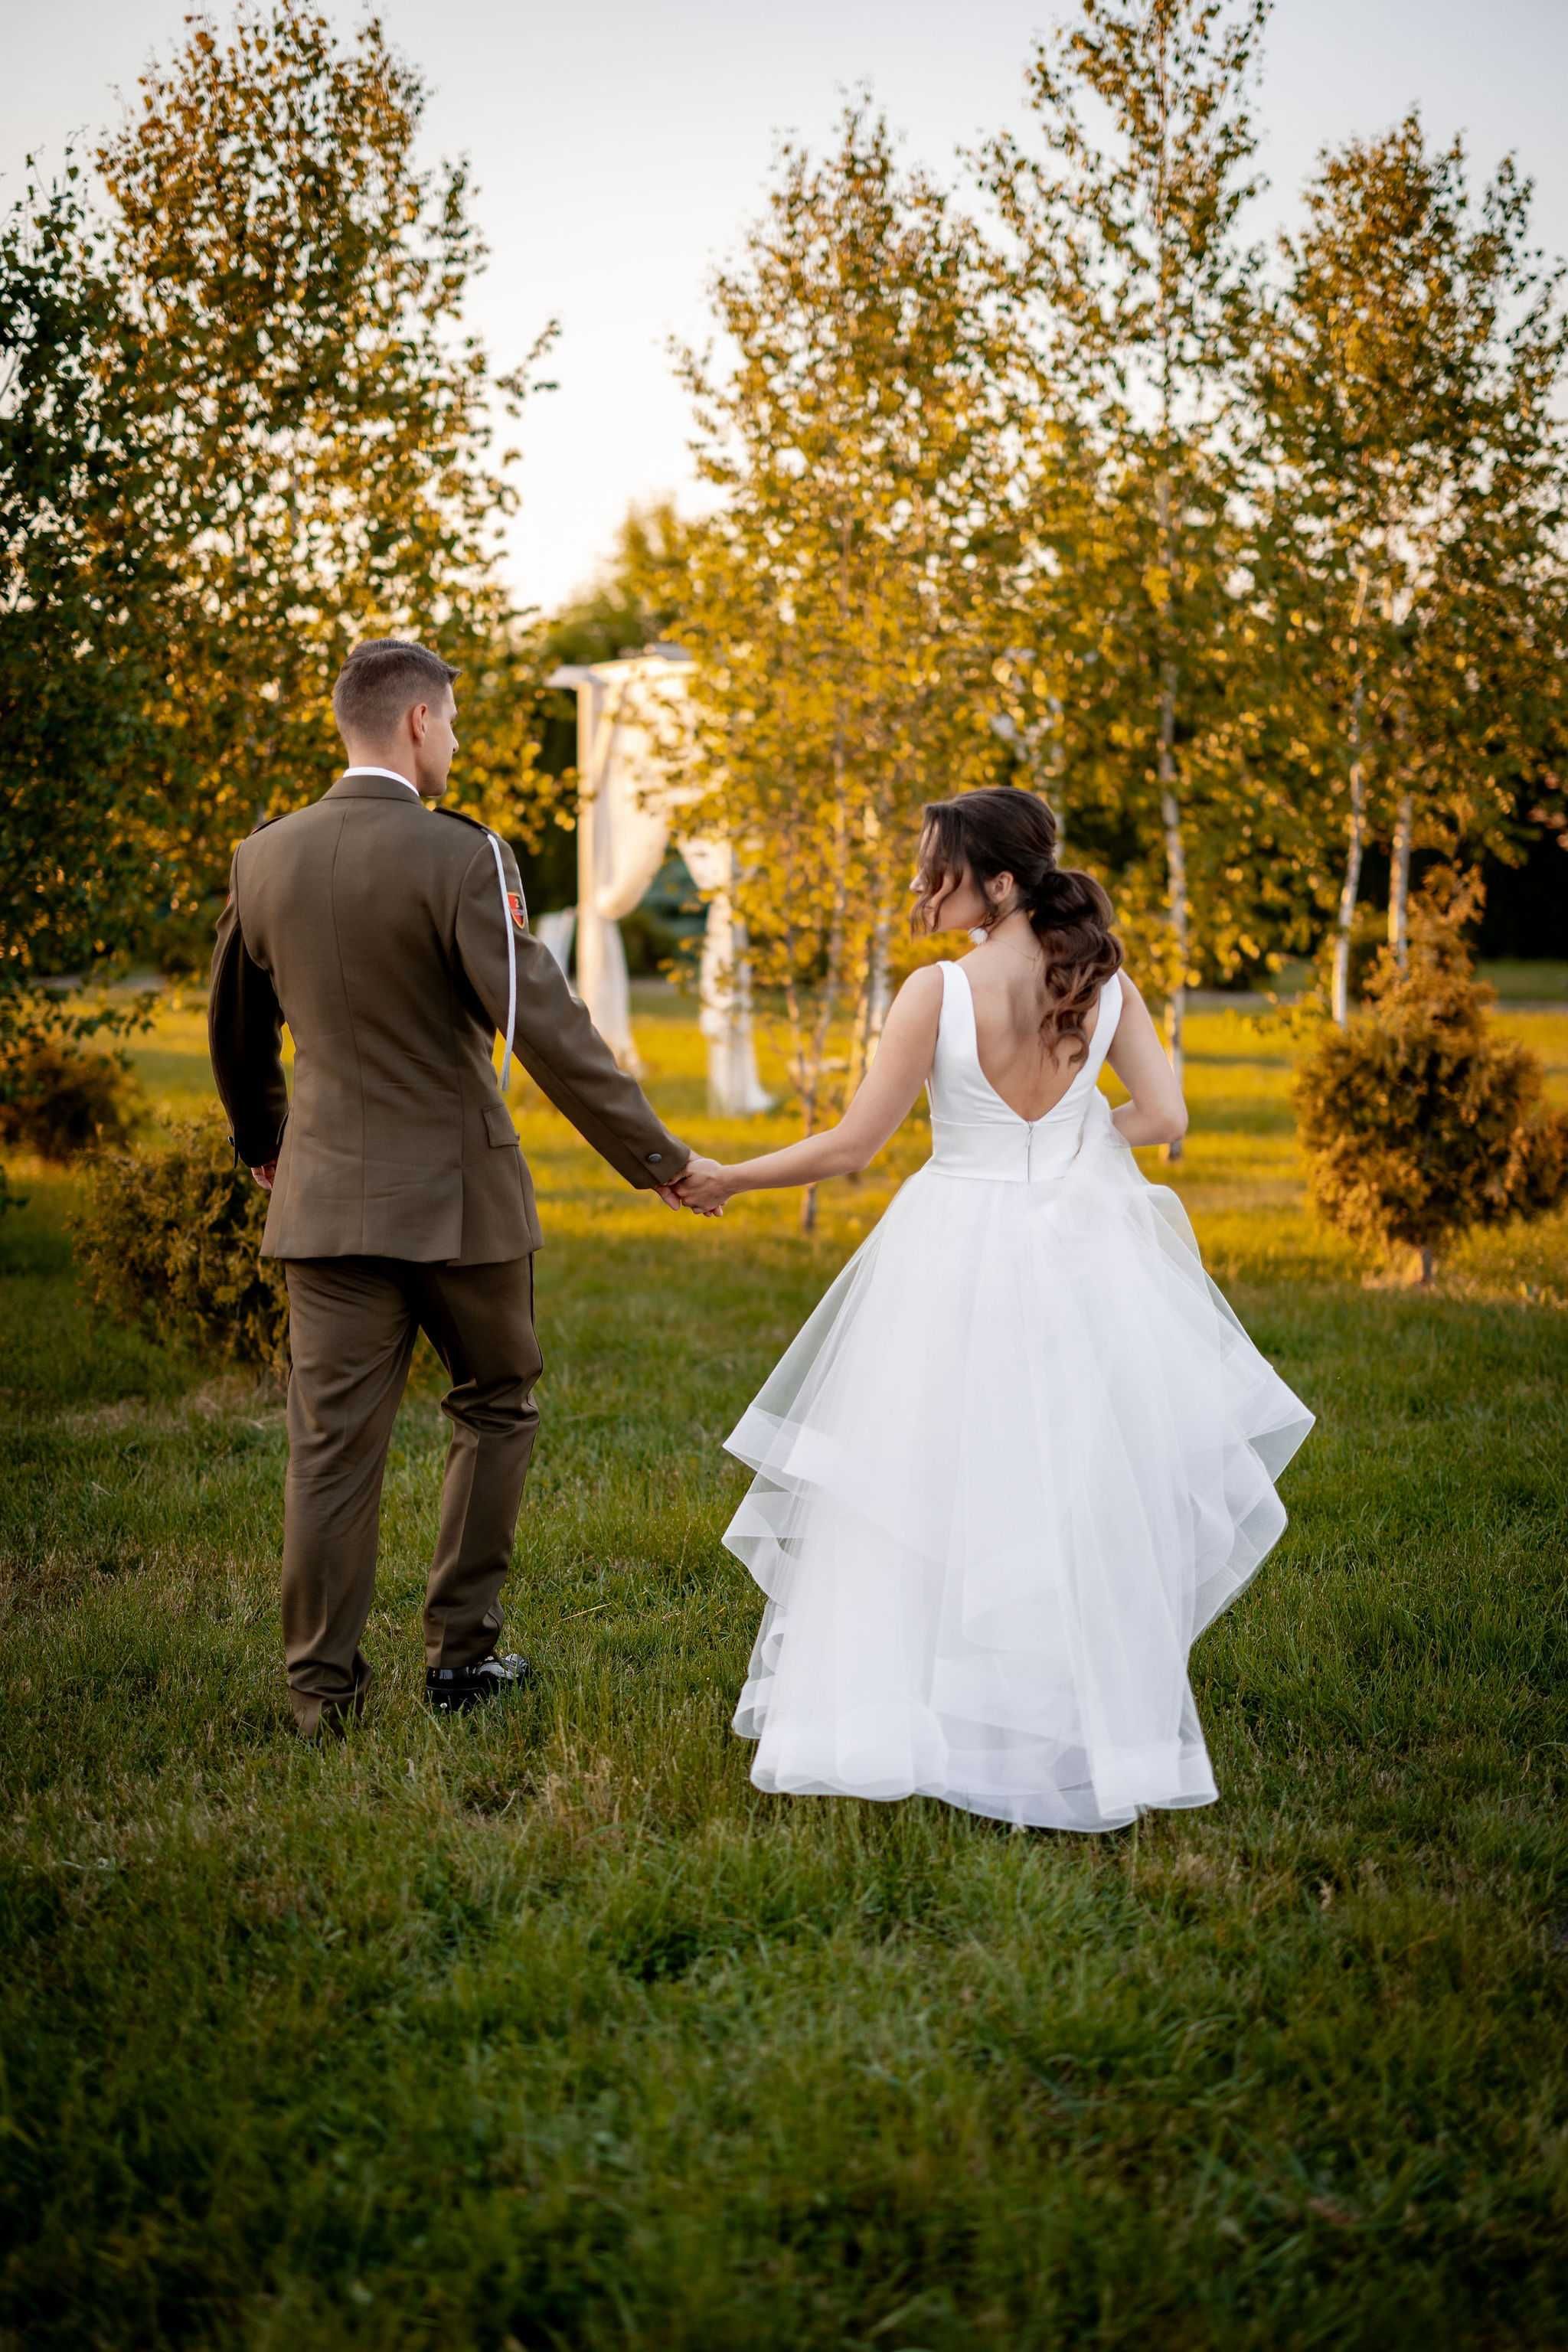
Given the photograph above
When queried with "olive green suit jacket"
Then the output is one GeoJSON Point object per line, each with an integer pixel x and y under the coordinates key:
{"type": "Point", "coordinates": [376, 929]}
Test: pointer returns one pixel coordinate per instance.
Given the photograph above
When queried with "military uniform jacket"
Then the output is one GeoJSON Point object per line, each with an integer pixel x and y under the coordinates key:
{"type": "Point", "coordinates": [377, 929]}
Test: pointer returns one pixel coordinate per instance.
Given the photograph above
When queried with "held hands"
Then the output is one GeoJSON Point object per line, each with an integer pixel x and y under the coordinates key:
{"type": "Point", "coordinates": [678, 1196]}
{"type": "Point", "coordinates": [702, 1186]}
{"type": "Point", "coordinates": [265, 1174]}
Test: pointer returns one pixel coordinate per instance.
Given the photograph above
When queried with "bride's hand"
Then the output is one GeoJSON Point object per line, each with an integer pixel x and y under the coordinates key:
{"type": "Point", "coordinates": [703, 1185]}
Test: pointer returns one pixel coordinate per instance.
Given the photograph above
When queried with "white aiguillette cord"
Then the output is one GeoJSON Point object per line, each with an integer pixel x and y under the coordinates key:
{"type": "Point", "coordinates": [511, 959]}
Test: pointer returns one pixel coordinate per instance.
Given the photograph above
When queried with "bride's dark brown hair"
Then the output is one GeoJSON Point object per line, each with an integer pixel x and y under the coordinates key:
{"type": "Point", "coordinates": [1003, 829]}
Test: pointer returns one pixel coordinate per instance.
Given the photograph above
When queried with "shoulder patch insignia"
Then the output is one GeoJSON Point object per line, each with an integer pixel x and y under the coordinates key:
{"type": "Point", "coordinates": [519, 912]}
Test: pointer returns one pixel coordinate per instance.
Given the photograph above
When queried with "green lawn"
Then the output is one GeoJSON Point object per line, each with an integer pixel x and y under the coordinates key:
{"type": "Point", "coordinates": [1535, 982]}
{"type": "Point", "coordinates": [547, 2030]}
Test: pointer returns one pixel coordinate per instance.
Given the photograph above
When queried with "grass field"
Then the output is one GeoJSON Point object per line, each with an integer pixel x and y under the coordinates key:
{"type": "Point", "coordinates": [546, 2030]}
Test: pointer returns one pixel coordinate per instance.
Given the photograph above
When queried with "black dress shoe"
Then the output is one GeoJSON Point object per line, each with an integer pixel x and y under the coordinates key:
{"type": "Point", "coordinates": [453, 1690]}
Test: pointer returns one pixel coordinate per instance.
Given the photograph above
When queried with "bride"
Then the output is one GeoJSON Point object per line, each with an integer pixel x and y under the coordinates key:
{"type": "Point", "coordinates": [1023, 1452]}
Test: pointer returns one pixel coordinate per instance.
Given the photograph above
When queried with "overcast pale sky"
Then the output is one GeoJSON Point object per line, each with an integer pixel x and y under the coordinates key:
{"type": "Point", "coordinates": [618, 146]}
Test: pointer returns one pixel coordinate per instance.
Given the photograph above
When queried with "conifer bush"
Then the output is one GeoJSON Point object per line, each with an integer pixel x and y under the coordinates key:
{"type": "Point", "coordinates": [1420, 1121]}
{"type": "Point", "coordinates": [171, 1241]}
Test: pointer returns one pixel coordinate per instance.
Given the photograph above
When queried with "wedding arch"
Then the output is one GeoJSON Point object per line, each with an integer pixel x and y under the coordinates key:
{"type": "Point", "coordinates": [629, 812]}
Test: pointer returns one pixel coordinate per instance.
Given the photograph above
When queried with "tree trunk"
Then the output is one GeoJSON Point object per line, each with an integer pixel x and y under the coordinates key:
{"type": "Point", "coordinates": [801, 1070]}
{"type": "Point", "coordinates": [1426, 1263]}
{"type": "Point", "coordinates": [1170, 802]}
{"type": "Point", "coordinates": [808, 1196]}
{"type": "Point", "coordinates": [1341, 996]}
{"type": "Point", "coordinates": [1177, 872]}
{"type": "Point", "coordinates": [832, 978]}
{"type": "Point", "coordinates": [875, 997]}
{"type": "Point", "coordinates": [808, 1094]}
{"type": "Point", "coordinates": [1399, 881]}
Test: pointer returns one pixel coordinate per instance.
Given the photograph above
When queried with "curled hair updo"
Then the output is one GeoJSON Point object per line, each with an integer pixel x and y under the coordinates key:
{"type": "Point", "coordinates": [1005, 830]}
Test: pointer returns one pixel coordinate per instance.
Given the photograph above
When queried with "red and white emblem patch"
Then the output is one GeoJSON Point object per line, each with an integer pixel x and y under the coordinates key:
{"type": "Point", "coordinates": [518, 913]}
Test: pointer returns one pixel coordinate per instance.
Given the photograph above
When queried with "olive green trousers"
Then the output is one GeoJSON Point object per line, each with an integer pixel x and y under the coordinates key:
{"type": "Point", "coordinates": [353, 1323]}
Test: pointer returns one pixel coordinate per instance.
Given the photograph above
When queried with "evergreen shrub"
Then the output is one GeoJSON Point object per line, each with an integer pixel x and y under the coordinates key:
{"type": "Point", "coordinates": [1419, 1120]}
{"type": "Point", "coordinates": [171, 1241]}
{"type": "Point", "coordinates": [60, 1103]}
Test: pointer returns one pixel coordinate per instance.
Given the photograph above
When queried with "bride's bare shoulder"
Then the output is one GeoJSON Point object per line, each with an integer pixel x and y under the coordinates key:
{"type": "Point", "coordinates": [916, 1011]}
{"type": "Point", "coordinates": [919, 998]}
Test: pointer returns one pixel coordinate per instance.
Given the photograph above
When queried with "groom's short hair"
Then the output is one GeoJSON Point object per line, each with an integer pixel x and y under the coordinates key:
{"type": "Point", "coordinates": [381, 680]}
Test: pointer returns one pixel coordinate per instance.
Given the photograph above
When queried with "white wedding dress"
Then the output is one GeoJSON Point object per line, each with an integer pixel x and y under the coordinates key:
{"type": "Point", "coordinates": [1016, 1460]}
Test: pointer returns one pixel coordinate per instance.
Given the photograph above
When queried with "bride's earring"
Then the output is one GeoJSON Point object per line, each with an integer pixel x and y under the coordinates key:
{"type": "Point", "coordinates": [982, 932]}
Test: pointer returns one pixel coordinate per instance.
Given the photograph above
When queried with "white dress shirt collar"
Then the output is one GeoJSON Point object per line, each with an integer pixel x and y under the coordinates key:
{"type": "Point", "coordinates": [385, 771]}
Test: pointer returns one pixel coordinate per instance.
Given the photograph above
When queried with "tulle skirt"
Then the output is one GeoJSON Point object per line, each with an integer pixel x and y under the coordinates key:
{"type": "Point", "coordinates": [1016, 1460]}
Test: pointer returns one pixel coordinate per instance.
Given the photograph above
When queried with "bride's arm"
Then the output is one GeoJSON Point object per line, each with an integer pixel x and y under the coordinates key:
{"type": "Point", "coordinates": [1156, 1113]}
{"type": "Point", "coordinates": [881, 1104]}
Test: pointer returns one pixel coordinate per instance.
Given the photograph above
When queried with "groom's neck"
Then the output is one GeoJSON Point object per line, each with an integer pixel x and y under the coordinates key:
{"type": "Point", "coordinates": [396, 763]}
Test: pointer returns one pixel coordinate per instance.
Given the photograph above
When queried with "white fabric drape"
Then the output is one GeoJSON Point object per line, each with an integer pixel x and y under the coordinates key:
{"type": "Point", "coordinates": [725, 986]}
{"type": "Point", "coordinates": [621, 841]}
{"type": "Point", "coordinates": [625, 816]}
{"type": "Point", "coordinates": [554, 931]}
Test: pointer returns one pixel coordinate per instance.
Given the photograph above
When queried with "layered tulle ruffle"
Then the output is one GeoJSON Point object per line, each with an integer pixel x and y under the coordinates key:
{"type": "Point", "coordinates": [1019, 1456]}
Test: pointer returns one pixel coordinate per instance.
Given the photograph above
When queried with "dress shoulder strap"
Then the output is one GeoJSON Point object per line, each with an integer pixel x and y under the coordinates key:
{"type": "Point", "coordinates": [1111, 999]}
{"type": "Point", "coordinates": [957, 1017]}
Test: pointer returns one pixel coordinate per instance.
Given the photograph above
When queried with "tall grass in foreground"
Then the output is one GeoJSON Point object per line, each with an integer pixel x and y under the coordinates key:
{"type": "Point", "coordinates": [547, 2029]}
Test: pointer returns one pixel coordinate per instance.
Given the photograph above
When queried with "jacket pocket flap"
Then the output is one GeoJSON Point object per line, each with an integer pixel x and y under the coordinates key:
{"type": "Point", "coordinates": [497, 1124]}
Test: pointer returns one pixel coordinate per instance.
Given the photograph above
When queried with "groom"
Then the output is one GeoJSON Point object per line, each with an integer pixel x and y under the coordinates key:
{"type": "Point", "coordinates": [391, 935]}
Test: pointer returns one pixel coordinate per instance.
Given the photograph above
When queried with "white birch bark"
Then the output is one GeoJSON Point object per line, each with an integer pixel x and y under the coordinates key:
{"type": "Point", "coordinates": [1355, 846]}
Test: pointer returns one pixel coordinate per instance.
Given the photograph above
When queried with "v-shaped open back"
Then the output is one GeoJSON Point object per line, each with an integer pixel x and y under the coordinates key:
{"type": "Point", "coordinates": [1080, 1070]}
{"type": "Point", "coordinates": [975, 1131]}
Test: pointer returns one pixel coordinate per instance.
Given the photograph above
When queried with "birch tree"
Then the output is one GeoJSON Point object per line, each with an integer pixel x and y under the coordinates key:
{"type": "Point", "coordinates": [1408, 394]}
{"type": "Point", "coordinates": [1128, 260]}
{"type": "Point", "coordinates": [842, 605]}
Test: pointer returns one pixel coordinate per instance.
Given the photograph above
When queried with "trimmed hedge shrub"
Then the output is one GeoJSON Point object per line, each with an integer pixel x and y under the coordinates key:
{"type": "Point", "coordinates": [171, 1241]}
{"type": "Point", "coordinates": [61, 1104]}
{"type": "Point", "coordinates": [1418, 1120]}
